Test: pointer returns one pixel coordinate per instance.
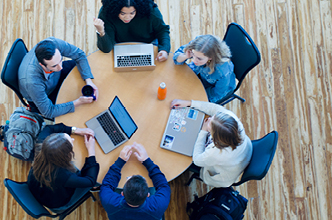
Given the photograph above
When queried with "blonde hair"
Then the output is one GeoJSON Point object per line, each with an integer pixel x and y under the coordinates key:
{"type": "Point", "coordinates": [212, 47]}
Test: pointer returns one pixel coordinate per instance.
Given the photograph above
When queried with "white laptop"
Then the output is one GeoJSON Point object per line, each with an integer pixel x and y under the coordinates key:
{"type": "Point", "coordinates": [112, 127]}
{"type": "Point", "coordinates": [133, 57]}
{"type": "Point", "coordinates": [181, 130]}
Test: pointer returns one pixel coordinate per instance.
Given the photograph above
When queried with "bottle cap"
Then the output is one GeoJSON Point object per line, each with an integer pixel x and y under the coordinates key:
{"type": "Point", "coordinates": [163, 85]}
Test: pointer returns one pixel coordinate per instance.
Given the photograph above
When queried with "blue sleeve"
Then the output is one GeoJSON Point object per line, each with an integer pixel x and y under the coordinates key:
{"type": "Point", "coordinates": [161, 198]}
{"type": "Point", "coordinates": [88, 177]}
{"type": "Point", "coordinates": [108, 197]}
{"type": "Point", "coordinates": [224, 85]}
{"type": "Point", "coordinates": [68, 50]}
{"type": "Point", "coordinates": [177, 53]}
{"type": "Point", "coordinates": [44, 104]}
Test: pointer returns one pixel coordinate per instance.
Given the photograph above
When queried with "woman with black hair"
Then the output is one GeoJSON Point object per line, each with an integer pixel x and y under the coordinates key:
{"type": "Point", "coordinates": [131, 21]}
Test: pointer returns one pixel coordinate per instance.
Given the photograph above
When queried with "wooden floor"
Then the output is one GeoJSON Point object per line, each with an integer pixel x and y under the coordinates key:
{"type": "Point", "coordinates": [290, 91]}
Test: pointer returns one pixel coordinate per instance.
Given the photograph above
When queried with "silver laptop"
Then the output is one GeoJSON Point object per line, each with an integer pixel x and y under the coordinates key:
{"type": "Point", "coordinates": [133, 57]}
{"type": "Point", "coordinates": [113, 126]}
{"type": "Point", "coordinates": [181, 131]}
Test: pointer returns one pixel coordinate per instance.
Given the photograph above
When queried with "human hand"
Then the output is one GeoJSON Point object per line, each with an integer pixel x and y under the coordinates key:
{"type": "Point", "coordinates": [85, 131]}
{"type": "Point", "coordinates": [180, 103]}
{"type": "Point", "coordinates": [126, 153]}
{"type": "Point", "coordinates": [140, 153]}
{"type": "Point", "coordinates": [206, 124]}
{"type": "Point", "coordinates": [189, 54]}
{"type": "Point", "coordinates": [90, 144]}
{"type": "Point", "coordinates": [162, 56]}
{"type": "Point", "coordinates": [95, 88]}
{"type": "Point", "coordinates": [83, 100]}
{"type": "Point", "coordinates": [99, 24]}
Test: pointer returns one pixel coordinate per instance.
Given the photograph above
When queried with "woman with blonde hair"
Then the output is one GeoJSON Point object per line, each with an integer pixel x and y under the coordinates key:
{"type": "Point", "coordinates": [212, 64]}
{"type": "Point", "coordinates": [222, 149]}
{"type": "Point", "coordinates": [53, 178]}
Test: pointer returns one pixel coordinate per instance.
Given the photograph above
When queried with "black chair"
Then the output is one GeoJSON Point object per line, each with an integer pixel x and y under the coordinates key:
{"type": "Point", "coordinates": [21, 193]}
{"type": "Point", "coordinates": [245, 56]}
{"type": "Point", "coordinates": [260, 162]}
{"type": "Point", "coordinates": [9, 74]}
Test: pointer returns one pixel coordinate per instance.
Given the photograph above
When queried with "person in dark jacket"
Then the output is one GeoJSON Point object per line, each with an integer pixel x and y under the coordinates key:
{"type": "Point", "coordinates": [132, 21]}
{"type": "Point", "coordinates": [53, 178]}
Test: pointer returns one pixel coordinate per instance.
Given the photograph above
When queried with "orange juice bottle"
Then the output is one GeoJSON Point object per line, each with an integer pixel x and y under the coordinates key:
{"type": "Point", "coordinates": [162, 90]}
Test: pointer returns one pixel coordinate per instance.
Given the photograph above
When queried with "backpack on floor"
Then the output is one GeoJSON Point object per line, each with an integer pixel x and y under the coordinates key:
{"type": "Point", "coordinates": [20, 134]}
{"type": "Point", "coordinates": [218, 204]}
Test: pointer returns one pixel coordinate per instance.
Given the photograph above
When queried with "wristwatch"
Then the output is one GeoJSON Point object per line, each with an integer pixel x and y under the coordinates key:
{"type": "Point", "coordinates": [73, 129]}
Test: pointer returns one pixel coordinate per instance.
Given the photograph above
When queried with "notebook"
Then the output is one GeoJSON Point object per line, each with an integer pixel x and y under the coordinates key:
{"type": "Point", "coordinates": [133, 57]}
{"type": "Point", "coordinates": [181, 130]}
{"type": "Point", "coordinates": [113, 126]}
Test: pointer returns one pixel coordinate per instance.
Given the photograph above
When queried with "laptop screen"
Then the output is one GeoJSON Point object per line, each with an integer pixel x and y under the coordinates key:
{"type": "Point", "coordinates": [121, 115]}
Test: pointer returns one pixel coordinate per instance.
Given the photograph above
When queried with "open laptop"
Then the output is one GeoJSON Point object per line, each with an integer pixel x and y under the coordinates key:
{"type": "Point", "coordinates": [181, 131]}
{"type": "Point", "coordinates": [113, 126]}
{"type": "Point", "coordinates": [133, 57]}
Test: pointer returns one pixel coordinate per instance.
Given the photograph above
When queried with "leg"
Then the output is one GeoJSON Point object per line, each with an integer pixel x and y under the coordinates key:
{"type": "Point", "coordinates": [67, 66]}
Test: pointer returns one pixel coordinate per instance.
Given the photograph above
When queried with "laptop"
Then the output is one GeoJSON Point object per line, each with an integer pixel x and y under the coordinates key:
{"type": "Point", "coordinates": [112, 127]}
{"type": "Point", "coordinates": [181, 130]}
{"type": "Point", "coordinates": [134, 57]}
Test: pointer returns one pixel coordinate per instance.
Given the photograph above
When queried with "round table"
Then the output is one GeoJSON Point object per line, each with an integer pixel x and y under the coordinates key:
{"type": "Point", "coordinates": [137, 91]}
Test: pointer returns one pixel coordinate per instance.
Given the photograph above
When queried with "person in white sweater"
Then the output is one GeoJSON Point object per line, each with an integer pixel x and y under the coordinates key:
{"type": "Point", "coordinates": [222, 149]}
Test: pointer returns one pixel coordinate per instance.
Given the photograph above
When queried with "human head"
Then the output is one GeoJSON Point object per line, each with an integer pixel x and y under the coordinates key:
{"type": "Point", "coordinates": [48, 56]}
{"type": "Point", "coordinates": [135, 190]}
{"type": "Point", "coordinates": [213, 48]}
{"type": "Point", "coordinates": [132, 8]}
{"type": "Point", "coordinates": [56, 152]}
{"type": "Point", "coordinates": [225, 131]}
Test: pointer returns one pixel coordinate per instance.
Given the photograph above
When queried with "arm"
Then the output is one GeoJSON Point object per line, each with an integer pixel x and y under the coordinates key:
{"type": "Point", "coordinates": [88, 176]}
{"type": "Point", "coordinates": [179, 56]}
{"type": "Point", "coordinates": [44, 104]}
{"type": "Point", "coordinates": [75, 53]}
{"type": "Point", "coordinates": [162, 196]}
{"type": "Point", "coordinates": [201, 155]}
{"type": "Point", "coordinates": [161, 30]}
{"type": "Point", "coordinates": [50, 129]}
{"type": "Point", "coordinates": [106, 42]}
{"type": "Point", "coordinates": [208, 107]}
{"type": "Point", "coordinates": [111, 180]}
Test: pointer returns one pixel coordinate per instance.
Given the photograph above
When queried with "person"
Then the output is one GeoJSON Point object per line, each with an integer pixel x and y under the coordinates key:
{"type": "Point", "coordinates": [134, 202]}
{"type": "Point", "coordinates": [222, 149]}
{"type": "Point", "coordinates": [42, 72]}
{"type": "Point", "coordinates": [211, 62]}
{"type": "Point", "coordinates": [53, 178]}
{"type": "Point", "coordinates": [132, 21]}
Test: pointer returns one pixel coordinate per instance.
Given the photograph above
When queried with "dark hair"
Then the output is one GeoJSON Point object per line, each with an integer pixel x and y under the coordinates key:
{"type": "Point", "coordinates": [45, 50]}
{"type": "Point", "coordinates": [113, 7]}
{"type": "Point", "coordinates": [135, 190]}
{"type": "Point", "coordinates": [225, 131]}
{"type": "Point", "coordinates": [56, 152]}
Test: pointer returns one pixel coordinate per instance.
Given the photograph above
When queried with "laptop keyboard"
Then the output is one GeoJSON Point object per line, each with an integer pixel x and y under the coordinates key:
{"type": "Point", "coordinates": [111, 128]}
{"type": "Point", "coordinates": [137, 60]}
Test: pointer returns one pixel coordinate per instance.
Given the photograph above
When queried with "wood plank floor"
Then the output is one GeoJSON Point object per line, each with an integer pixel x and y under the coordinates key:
{"type": "Point", "coordinates": [290, 91]}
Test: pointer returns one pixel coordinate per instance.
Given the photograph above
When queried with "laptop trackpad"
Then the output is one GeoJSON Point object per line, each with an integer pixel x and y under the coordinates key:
{"type": "Point", "coordinates": [100, 135]}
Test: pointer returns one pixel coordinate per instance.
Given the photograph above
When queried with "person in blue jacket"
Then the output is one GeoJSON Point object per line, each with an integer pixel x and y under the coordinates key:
{"type": "Point", "coordinates": [134, 202]}
{"type": "Point", "coordinates": [211, 62]}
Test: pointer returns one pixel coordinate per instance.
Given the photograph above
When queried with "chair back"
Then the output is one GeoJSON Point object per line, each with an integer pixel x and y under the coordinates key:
{"type": "Point", "coordinates": [245, 54]}
{"type": "Point", "coordinates": [261, 159]}
{"type": "Point", "coordinates": [21, 193]}
{"type": "Point", "coordinates": [9, 74]}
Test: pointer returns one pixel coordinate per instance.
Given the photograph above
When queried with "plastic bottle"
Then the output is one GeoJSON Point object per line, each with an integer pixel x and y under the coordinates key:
{"type": "Point", "coordinates": [162, 91]}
